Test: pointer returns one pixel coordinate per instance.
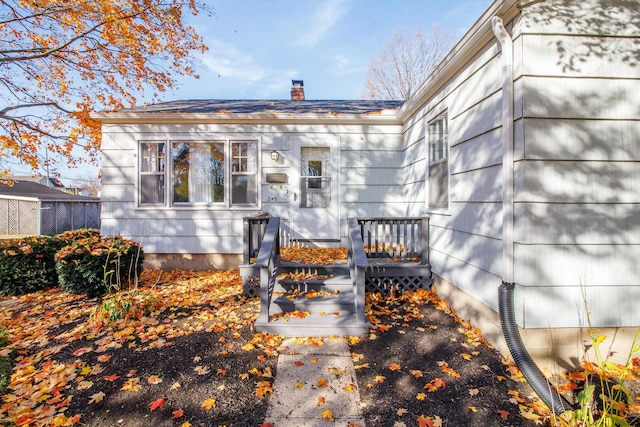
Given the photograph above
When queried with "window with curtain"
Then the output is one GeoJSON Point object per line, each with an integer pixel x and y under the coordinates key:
{"type": "Point", "coordinates": [198, 172]}
{"type": "Point", "coordinates": [215, 173]}
{"type": "Point", "coordinates": [438, 140]}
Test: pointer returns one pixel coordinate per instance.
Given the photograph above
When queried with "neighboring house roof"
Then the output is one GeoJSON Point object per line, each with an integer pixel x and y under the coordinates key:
{"type": "Point", "coordinates": [33, 190]}
{"type": "Point", "coordinates": [40, 179]}
{"type": "Point", "coordinates": [268, 110]}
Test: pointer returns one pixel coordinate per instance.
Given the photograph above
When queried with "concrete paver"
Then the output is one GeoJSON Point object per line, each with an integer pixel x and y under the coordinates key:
{"type": "Point", "coordinates": [305, 374]}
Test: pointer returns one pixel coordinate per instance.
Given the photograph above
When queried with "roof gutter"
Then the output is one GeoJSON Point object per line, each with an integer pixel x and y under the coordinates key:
{"type": "Point", "coordinates": [387, 117]}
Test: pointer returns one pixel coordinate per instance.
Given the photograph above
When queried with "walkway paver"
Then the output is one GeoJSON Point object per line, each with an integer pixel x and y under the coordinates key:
{"type": "Point", "coordinates": [312, 379]}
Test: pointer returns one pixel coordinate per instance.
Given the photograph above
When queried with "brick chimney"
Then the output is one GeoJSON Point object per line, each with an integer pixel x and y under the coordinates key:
{"type": "Point", "coordinates": [297, 90]}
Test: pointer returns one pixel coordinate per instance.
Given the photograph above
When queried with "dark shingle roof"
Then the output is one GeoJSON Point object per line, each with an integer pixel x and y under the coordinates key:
{"type": "Point", "coordinates": [40, 192]}
{"type": "Point", "coordinates": [212, 106]}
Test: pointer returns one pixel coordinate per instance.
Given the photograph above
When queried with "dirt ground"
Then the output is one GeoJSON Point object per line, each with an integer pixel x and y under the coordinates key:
{"type": "Point", "coordinates": [195, 360]}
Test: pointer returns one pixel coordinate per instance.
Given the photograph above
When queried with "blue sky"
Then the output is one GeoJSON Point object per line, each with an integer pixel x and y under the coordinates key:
{"type": "Point", "coordinates": [257, 47]}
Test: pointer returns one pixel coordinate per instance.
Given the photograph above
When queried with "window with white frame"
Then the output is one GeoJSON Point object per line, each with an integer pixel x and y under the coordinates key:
{"type": "Point", "coordinates": [219, 173]}
{"type": "Point", "coordinates": [152, 173]}
{"type": "Point", "coordinates": [438, 140]}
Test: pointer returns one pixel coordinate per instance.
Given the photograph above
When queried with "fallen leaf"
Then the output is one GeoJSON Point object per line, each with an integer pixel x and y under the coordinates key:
{"type": "Point", "coordinates": [157, 404]}
{"type": "Point", "coordinates": [154, 379]}
{"type": "Point", "coordinates": [380, 379]}
{"type": "Point", "coordinates": [320, 400]}
{"type": "Point", "coordinates": [202, 370]}
{"type": "Point", "coordinates": [327, 414]}
{"type": "Point", "coordinates": [322, 383]}
{"type": "Point", "coordinates": [208, 404]}
{"type": "Point", "coordinates": [97, 397]}
{"type": "Point", "coordinates": [472, 408]}
{"type": "Point", "coordinates": [111, 378]}
{"type": "Point", "coordinates": [395, 367]}
{"type": "Point", "coordinates": [473, 391]}
{"type": "Point", "coordinates": [299, 384]}
{"type": "Point", "coordinates": [421, 396]}
{"type": "Point", "coordinates": [178, 413]}
{"type": "Point", "coordinates": [503, 414]}
{"type": "Point", "coordinates": [350, 387]}
{"type": "Point", "coordinates": [415, 373]}
{"type": "Point", "coordinates": [83, 385]}
{"type": "Point", "coordinates": [176, 385]}
{"type": "Point", "coordinates": [528, 413]}
{"type": "Point", "coordinates": [402, 411]}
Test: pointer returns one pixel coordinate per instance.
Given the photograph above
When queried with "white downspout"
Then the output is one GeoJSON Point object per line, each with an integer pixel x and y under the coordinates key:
{"type": "Point", "coordinates": [507, 148]}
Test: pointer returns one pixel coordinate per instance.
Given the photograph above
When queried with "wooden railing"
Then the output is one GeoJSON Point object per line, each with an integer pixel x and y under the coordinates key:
{"type": "Point", "coordinates": [400, 239]}
{"type": "Point", "coordinates": [358, 263]}
{"type": "Point", "coordinates": [254, 228]}
{"type": "Point", "coordinates": [268, 260]}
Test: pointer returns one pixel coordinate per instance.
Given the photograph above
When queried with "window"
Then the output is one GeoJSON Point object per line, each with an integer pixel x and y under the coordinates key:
{"type": "Point", "coordinates": [315, 177]}
{"type": "Point", "coordinates": [152, 173]}
{"type": "Point", "coordinates": [210, 173]}
{"type": "Point", "coordinates": [243, 173]}
{"type": "Point", "coordinates": [438, 163]}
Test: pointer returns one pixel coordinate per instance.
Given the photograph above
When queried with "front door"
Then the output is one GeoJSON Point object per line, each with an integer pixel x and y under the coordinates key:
{"type": "Point", "coordinates": [315, 203]}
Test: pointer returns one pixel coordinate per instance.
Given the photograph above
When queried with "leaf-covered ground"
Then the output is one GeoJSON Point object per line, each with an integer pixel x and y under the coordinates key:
{"type": "Point", "coordinates": [193, 359]}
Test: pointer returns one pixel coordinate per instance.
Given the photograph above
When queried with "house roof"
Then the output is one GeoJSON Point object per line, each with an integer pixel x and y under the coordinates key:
{"type": "Point", "coordinates": [257, 110]}
{"type": "Point", "coordinates": [33, 190]}
{"type": "Point", "coordinates": [55, 182]}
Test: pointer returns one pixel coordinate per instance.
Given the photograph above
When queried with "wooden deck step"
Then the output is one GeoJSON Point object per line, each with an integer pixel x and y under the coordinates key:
{"type": "Point", "coordinates": [317, 306]}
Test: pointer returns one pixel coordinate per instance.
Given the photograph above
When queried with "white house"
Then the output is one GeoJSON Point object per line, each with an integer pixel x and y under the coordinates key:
{"type": "Point", "coordinates": [523, 148]}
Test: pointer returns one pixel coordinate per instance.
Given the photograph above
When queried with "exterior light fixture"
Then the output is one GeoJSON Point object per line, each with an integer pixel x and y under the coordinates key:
{"type": "Point", "coordinates": [275, 156]}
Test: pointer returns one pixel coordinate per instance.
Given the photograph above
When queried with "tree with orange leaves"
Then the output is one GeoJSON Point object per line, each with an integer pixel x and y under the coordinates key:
{"type": "Point", "coordinates": [62, 59]}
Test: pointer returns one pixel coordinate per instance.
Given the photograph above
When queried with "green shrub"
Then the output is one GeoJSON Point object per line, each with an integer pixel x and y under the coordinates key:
{"type": "Point", "coordinates": [27, 265]}
{"type": "Point", "coordinates": [95, 265]}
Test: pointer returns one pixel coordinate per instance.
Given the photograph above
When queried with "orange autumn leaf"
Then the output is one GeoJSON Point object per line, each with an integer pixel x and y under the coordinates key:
{"type": "Point", "coordinates": [425, 421]}
{"type": "Point", "coordinates": [327, 414]}
{"type": "Point", "coordinates": [178, 413]}
{"type": "Point", "coordinates": [298, 363]}
{"type": "Point", "coordinates": [322, 383]}
{"type": "Point", "coordinates": [503, 414]}
{"type": "Point", "coordinates": [415, 373]}
{"type": "Point", "coordinates": [157, 404]}
{"type": "Point", "coordinates": [349, 388]}
{"type": "Point", "coordinates": [208, 404]}
{"type": "Point", "coordinates": [320, 400]}
{"type": "Point", "coordinates": [154, 379]}
{"type": "Point", "coordinates": [380, 379]}
{"type": "Point", "coordinates": [395, 367]}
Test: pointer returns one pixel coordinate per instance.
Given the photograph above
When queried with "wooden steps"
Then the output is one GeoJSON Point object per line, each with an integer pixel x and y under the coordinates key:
{"type": "Point", "coordinates": [323, 305]}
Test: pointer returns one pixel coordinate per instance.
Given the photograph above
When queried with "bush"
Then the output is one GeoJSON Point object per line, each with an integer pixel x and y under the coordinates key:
{"type": "Point", "coordinates": [27, 265]}
{"type": "Point", "coordinates": [95, 265]}
{"type": "Point", "coordinates": [68, 237]}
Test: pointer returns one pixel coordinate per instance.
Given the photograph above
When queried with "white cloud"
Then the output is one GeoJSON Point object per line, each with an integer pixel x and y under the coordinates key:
{"type": "Point", "coordinates": [341, 64]}
{"type": "Point", "coordinates": [324, 19]}
{"type": "Point", "coordinates": [227, 61]}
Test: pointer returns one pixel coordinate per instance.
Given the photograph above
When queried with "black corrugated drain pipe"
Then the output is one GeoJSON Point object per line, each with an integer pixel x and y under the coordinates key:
{"type": "Point", "coordinates": [527, 366]}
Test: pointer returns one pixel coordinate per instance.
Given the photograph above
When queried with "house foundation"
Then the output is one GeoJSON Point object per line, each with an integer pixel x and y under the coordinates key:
{"type": "Point", "coordinates": [554, 350]}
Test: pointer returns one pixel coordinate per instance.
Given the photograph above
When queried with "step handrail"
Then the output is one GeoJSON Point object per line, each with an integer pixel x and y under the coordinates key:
{"type": "Point", "coordinates": [268, 261]}
{"type": "Point", "coordinates": [358, 263]}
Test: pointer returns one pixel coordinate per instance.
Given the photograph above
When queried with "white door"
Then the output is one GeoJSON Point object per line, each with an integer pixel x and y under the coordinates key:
{"type": "Point", "coordinates": [315, 204]}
